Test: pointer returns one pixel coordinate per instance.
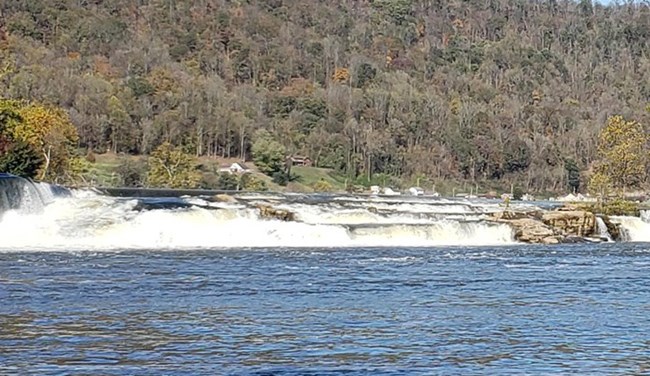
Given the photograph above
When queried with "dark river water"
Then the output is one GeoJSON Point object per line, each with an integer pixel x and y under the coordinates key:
{"type": "Point", "coordinates": [498, 310]}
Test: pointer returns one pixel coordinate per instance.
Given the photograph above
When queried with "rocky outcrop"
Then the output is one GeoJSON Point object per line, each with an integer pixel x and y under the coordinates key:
{"type": "Point", "coordinates": [530, 230]}
{"type": "Point", "coordinates": [574, 222]}
{"type": "Point", "coordinates": [509, 215]}
{"type": "Point", "coordinates": [269, 212]}
{"type": "Point", "coordinates": [552, 227]}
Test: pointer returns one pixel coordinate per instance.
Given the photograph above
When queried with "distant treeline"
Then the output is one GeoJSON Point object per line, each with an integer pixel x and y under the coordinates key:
{"type": "Point", "coordinates": [490, 91]}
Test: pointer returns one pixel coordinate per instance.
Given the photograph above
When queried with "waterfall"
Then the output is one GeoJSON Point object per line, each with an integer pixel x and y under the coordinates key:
{"type": "Point", "coordinates": [633, 229]}
{"type": "Point", "coordinates": [603, 232]}
{"type": "Point", "coordinates": [88, 221]}
{"type": "Point", "coordinates": [17, 193]}
{"type": "Point", "coordinates": [645, 216]}
{"type": "Point", "coordinates": [26, 196]}
{"type": "Point", "coordinates": [625, 234]}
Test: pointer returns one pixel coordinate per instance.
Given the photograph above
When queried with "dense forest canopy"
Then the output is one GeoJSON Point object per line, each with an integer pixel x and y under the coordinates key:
{"type": "Point", "coordinates": [493, 90]}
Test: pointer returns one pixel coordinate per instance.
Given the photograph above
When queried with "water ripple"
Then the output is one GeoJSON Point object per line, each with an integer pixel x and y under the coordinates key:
{"type": "Point", "coordinates": [531, 310]}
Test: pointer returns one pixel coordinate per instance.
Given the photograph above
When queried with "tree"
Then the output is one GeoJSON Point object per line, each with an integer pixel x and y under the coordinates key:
{"type": "Point", "coordinates": [131, 173]}
{"type": "Point", "coordinates": [250, 182]}
{"type": "Point", "coordinates": [41, 140]}
{"type": "Point", "coordinates": [228, 181]}
{"type": "Point", "coordinates": [118, 125]}
{"type": "Point", "coordinates": [16, 157]}
{"type": "Point", "coordinates": [170, 167]}
{"type": "Point", "coordinates": [600, 186]}
{"type": "Point", "coordinates": [20, 159]}
{"type": "Point", "coordinates": [281, 178]}
{"type": "Point", "coordinates": [341, 75]}
{"type": "Point", "coordinates": [487, 92]}
{"type": "Point", "coordinates": [268, 154]}
{"type": "Point", "coordinates": [622, 152]}
{"type": "Point", "coordinates": [573, 175]}
{"type": "Point", "coordinates": [398, 10]}
{"type": "Point", "coordinates": [9, 116]}
{"type": "Point", "coordinates": [48, 130]}
{"type": "Point", "coordinates": [364, 74]}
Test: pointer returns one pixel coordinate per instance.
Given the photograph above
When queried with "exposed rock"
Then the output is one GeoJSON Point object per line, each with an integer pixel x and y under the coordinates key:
{"type": "Point", "coordinates": [269, 212]}
{"type": "Point", "coordinates": [224, 198]}
{"type": "Point", "coordinates": [529, 230]}
{"type": "Point", "coordinates": [577, 222]}
{"type": "Point", "coordinates": [551, 240]}
{"type": "Point", "coordinates": [569, 207]}
{"type": "Point", "coordinates": [565, 225]}
{"type": "Point", "coordinates": [509, 215]}
{"type": "Point", "coordinates": [571, 239]}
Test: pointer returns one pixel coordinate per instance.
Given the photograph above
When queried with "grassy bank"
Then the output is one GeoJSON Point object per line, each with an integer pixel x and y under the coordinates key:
{"type": "Point", "coordinates": [105, 172]}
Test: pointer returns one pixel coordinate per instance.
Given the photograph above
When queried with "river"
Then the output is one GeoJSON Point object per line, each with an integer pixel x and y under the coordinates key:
{"type": "Point", "coordinates": [446, 310]}
{"type": "Point", "coordinates": [98, 285]}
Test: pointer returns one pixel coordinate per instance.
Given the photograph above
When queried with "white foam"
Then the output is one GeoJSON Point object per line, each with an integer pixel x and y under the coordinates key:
{"type": "Point", "coordinates": [91, 222]}
{"type": "Point", "coordinates": [645, 216]}
{"type": "Point", "coordinates": [636, 228]}
{"type": "Point", "coordinates": [437, 234]}
{"type": "Point", "coordinates": [603, 232]}
{"type": "Point", "coordinates": [323, 214]}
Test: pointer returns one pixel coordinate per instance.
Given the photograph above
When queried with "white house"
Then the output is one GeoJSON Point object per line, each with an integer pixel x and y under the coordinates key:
{"type": "Point", "coordinates": [235, 168]}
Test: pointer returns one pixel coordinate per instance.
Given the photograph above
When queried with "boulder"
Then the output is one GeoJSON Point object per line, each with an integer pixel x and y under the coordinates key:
{"type": "Point", "coordinates": [576, 222]}
{"type": "Point", "coordinates": [269, 212]}
{"type": "Point", "coordinates": [529, 230]}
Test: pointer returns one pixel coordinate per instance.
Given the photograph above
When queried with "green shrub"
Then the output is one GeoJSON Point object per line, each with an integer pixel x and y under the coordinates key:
{"type": "Point", "coordinates": [620, 207]}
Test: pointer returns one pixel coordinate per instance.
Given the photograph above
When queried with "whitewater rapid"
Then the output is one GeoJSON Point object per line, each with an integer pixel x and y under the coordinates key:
{"type": "Point", "coordinates": [90, 221]}
{"type": "Point", "coordinates": [635, 229]}
{"type": "Point", "coordinates": [85, 220]}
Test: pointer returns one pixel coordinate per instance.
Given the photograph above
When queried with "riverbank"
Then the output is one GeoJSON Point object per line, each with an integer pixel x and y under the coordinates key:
{"type": "Point", "coordinates": [107, 169]}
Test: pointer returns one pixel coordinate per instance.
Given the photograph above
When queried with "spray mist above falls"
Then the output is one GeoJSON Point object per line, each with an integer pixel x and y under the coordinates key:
{"type": "Point", "coordinates": [41, 218]}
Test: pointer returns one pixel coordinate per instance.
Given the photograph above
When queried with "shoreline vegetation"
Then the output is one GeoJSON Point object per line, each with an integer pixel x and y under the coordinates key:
{"type": "Point", "coordinates": [454, 98]}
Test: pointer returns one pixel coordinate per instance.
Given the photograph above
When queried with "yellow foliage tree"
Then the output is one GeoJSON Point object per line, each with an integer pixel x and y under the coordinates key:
{"type": "Point", "coordinates": [48, 131]}
{"type": "Point", "coordinates": [170, 167]}
{"type": "Point", "coordinates": [622, 152]}
{"type": "Point", "coordinates": [341, 75]}
{"type": "Point", "coordinates": [600, 186]}
{"type": "Point", "coordinates": [163, 81]}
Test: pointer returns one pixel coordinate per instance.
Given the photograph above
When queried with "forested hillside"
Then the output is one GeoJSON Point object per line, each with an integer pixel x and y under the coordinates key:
{"type": "Point", "coordinates": [476, 91]}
